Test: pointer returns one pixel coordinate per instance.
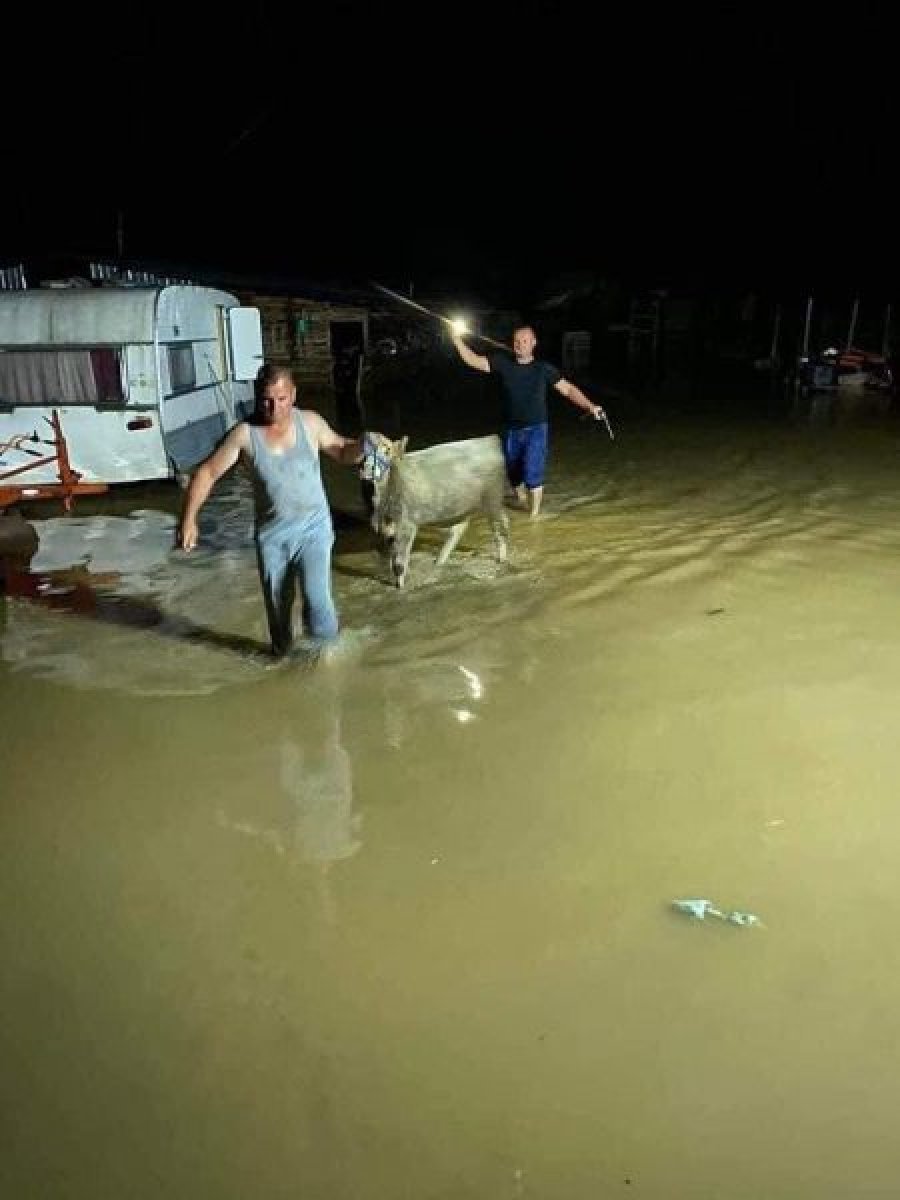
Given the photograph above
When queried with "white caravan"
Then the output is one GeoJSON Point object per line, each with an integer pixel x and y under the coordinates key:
{"type": "Point", "coordinates": [146, 380]}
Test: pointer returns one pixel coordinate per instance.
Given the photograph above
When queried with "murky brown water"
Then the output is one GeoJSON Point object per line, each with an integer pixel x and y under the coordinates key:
{"type": "Point", "coordinates": [400, 925]}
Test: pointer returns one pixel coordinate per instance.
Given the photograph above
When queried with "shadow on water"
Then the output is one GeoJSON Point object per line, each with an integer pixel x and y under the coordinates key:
{"type": "Point", "coordinates": [80, 592]}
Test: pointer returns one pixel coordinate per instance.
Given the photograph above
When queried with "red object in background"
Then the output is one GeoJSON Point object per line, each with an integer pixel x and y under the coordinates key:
{"type": "Point", "coordinates": [69, 484]}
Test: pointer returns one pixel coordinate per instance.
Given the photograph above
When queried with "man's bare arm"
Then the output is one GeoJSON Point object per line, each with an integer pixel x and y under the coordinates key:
{"type": "Point", "coordinates": [203, 480]}
{"type": "Point", "coordinates": [579, 399]}
{"type": "Point", "coordinates": [477, 361]}
{"type": "Point", "coordinates": [341, 449]}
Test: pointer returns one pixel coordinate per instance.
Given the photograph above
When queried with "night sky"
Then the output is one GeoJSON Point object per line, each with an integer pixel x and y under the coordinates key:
{"type": "Point", "coordinates": [486, 146]}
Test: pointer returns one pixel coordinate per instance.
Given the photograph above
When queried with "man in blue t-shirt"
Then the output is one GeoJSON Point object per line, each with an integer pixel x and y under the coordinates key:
{"type": "Point", "coordinates": [524, 380]}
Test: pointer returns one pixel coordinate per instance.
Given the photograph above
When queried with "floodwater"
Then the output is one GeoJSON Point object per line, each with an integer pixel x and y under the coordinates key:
{"type": "Point", "coordinates": [400, 924]}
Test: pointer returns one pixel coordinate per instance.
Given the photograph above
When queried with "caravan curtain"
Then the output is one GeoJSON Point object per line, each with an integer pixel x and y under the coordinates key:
{"type": "Point", "coordinates": [64, 377]}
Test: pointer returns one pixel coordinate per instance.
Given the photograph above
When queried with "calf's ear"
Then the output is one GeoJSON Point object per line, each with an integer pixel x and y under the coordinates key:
{"type": "Point", "coordinates": [400, 447]}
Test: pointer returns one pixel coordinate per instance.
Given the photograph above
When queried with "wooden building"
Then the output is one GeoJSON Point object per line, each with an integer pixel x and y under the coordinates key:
{"type": "Point", "coordinates": [310, 331]}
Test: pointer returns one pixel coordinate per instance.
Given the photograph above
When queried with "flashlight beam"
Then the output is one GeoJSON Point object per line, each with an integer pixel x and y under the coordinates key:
{"type": "Point", "coordinates": [429, 313]}
{"type": "Point", "coordinates": [406, 300]}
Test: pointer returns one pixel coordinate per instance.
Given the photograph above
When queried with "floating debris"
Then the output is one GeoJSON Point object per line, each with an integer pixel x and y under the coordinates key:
{"type": "Point", "coordinates": [742, 918]}
{"type": "Point", "coordinates": [698, 908]}
{"type": "Point", "coordinates": [701, 909]}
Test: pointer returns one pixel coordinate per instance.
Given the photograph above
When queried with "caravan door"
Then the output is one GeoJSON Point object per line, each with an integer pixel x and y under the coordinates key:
{"type": "Point", "coordinates": [245, 343]}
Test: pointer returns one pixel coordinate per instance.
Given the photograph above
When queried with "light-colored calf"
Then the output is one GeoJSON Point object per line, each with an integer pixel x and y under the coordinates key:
{"type": "Point", "coordinates": [443, 485]}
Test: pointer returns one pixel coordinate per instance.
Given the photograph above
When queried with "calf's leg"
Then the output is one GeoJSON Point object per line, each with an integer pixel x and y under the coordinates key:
{"type": "Point", "coordinates": [500, 526]}
{"type": "Point", "coordinates": [454, 533]}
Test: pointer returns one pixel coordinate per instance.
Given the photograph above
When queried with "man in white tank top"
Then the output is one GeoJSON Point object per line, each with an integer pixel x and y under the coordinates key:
{"type": "Point", "coordinates": [292, 526]}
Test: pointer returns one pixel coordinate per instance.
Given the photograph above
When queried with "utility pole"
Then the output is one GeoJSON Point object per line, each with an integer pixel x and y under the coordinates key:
{"type": "Point", "coordinates": [851, 332]}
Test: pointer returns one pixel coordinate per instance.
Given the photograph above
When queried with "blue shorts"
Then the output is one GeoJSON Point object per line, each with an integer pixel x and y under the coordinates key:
{"type": "Point", "coordinates": [525, 451]}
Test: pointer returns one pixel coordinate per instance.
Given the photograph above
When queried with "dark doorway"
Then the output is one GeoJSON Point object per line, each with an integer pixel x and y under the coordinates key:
{"type": "Point", "coordinates": [347, 347]}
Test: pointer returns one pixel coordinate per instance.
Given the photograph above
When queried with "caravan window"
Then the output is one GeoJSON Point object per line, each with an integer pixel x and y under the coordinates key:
{"type": "Point", "coordinates": [182, 374]}
{"type": "Point", "coordinates": [61, 377]}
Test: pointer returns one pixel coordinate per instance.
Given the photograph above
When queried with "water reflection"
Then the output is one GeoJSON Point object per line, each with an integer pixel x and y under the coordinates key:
{"type": "Point", "coordinates": [842, 406]}
{"type": "Point", "coordinates": [313, 824]}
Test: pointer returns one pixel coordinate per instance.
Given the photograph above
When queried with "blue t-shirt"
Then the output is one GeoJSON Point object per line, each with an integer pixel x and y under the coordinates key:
{"type": "Point", "coordinates": [524, 389]}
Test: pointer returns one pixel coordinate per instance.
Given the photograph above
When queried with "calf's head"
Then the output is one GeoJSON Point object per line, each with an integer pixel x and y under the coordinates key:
{"type": "Point", "coordinates": [374, 472]}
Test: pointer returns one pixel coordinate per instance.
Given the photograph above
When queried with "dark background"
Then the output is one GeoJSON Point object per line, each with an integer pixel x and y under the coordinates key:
{"type": "Point", "coordinates": [485, 147]}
